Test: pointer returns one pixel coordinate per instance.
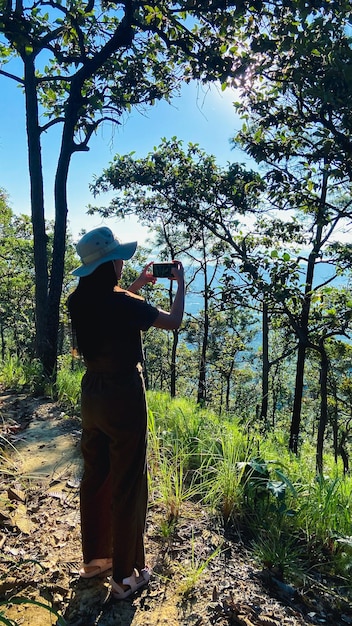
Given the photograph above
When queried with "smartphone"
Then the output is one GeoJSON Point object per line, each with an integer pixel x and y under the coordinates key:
{"type": "Point", "coordinates": [163, 270]}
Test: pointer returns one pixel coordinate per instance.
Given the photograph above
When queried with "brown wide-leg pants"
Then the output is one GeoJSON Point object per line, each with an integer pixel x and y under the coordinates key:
{"type": "Point", "coordinates": [113, 495]}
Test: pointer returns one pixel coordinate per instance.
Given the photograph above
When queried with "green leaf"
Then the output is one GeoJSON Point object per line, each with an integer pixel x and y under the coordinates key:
{"type": "Point", "coordinates": [285, 480]}
{"type": "Point", "coordinates": [277, 488]}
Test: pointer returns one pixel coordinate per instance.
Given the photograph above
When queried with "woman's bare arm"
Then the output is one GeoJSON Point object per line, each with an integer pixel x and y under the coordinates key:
{"type": "Point", "coordinates": [173, 319]}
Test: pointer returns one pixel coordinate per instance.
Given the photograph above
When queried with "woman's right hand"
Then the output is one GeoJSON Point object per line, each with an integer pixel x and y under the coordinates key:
{"type": "Point", "coordinates": [178, 272]}
{"type": "Point", "coordinates": [172, 320]}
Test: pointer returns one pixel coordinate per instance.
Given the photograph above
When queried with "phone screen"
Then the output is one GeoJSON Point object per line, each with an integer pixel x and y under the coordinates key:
{"type": "Point", "coordinates": [163, 270]}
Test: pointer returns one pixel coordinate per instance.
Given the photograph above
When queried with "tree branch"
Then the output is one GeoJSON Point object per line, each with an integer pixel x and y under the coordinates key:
{"type": "Point", "coordinates": [12, 76]}
{"type": "Point", "coordinates": [46, 127]}
{"type": "Point", "coordinates": [91, 128]}
{"type": "Point", "coordinates": [69, 16]}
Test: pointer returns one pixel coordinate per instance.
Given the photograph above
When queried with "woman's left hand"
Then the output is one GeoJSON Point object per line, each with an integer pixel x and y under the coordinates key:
{"type": "Point", "coordinates": [146, 276]}
{"type": "Point", "coordinates": [143, 279]}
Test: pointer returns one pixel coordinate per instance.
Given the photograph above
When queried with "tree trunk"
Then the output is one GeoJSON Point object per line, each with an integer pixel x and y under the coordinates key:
{"type": "Point", "coordinates": [275, 393]}
{"type": "Point", "coordinates": [324, 368]}
{"type": "Point", "coordinates": [37, 206]}
{"type": "Point", "coordinates": [297, 403]}
{"type": "Point", "coordinates": [47, 301]}
{"type": "Point", "coordinates": [145, 370]}
{"type": "Point", "coordinates": [303, 342]}
{"type": "Point", "coordinates": [303, 327]}
{"type": "Point", "coordinates": [173, 363]}
{"type": "Point", "coordinates": [265, 364]}
{"type": "Point", "coordinates": [221, 401]}
{"type": "Point", "coordinates": [228, 386]}
{"type": "Point", "coordinates": [344, 455]}
{"type": "Point", "coordinates": [302, 332]}
{"type": "Point", "coordinates": [202, 382]}
{"type": "Point", "coordinates": [2, 340]}
{"type": "Point", "coordinates": [59, 247]}
{"type": "Point", "coordinates": [334, 422]}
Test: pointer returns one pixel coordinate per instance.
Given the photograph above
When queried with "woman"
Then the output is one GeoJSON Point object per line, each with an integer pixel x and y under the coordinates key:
{"type": "Point", "coordinates": [107, 322]}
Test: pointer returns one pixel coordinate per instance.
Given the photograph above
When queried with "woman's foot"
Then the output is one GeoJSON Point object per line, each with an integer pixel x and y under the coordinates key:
{"type": "Point", "coordinates": [95, 567]}
{"type": "Point", "coordinates": [130, 585]}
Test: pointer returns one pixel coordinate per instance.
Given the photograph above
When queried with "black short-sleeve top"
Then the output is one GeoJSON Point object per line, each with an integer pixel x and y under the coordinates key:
{"type": "Point", "coordinates": [120, 343]}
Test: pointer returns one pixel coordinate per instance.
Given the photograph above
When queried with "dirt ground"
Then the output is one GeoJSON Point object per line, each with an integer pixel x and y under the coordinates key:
{"type": "Point", "coordinates": [199, 576]}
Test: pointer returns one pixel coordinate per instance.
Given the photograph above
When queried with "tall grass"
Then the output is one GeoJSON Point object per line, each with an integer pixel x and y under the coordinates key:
{"type": "Point", "coordinates": [225, 475]}
{"type": "Point", "coordinates": [174, 485]}
{"type": "Point", "coordinates": [293, 520]}
{"type": "Point", "coordinates": [67, 388]}
{"type": "Point", "coordinates": [24, 375]}
{"type": "Point", "coordinates": [325, 517]}
{"type": "Point", "coordinates": [20, 374]}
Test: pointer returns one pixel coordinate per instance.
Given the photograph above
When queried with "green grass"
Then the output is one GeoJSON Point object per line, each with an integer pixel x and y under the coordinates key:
{"type": "Point", "coordinates": [293, 520]}
{"type": "Point", "coordinates": [191, 570]}
{"type": "Point", "coordinates": [67, 388]}
{"type": "Point", "coordinates": [20, 374]}
{"type": "Point", "coordinates": [225, 480]}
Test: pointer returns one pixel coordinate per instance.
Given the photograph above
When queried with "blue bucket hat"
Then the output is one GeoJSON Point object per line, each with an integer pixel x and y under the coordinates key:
{"type": "Point", "coordinates": [99, 246]}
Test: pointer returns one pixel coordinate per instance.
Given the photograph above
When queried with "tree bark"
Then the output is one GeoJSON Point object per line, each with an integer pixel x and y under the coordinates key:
{"type": "Point", "coordinates": [122, 36]}
{"type": "Point", "coordinates": [297, 402]}
{"type": "Point", "coordinates": [47, 298]}
{"type": "Point", "coordinates": [323, 420]}
{"type": "Point", "coordinates": [202, 382]}
{"type": "Point", "coordinates": [59, 246]}
{"type": "Point", "coordinates": [265, 363]}
{"type": "Point", "coordinates": [303, 328]}
{"type": "Point", "coordinates": [37, 205]}
{"type": "Point", "coordinates": [228, 386]}
{"type": "Point", "coordinates": [175, 334]}
{"type": "Point", "coordinates": [3, 345]}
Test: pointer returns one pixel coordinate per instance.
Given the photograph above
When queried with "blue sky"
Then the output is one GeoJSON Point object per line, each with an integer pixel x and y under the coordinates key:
{"type": "Point", "coordinates": [200, 115]}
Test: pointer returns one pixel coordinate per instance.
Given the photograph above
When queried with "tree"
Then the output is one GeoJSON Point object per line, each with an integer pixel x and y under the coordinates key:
{"type": "Point", "coordinates": [187, 191]}
{"type": "Point", "coordinates": [298, 123]}
{"type": "Point", "coordinates": [335, 318]}
{"type": "Point", "coordinates": [16, 282]}
{"type": "Point", "coordinates": [85, 63]}
{"type": "Point", "coordinates": [340, 404]}
{"type": "Point", "coordinates": [186, 187]}
{"type": "Point", "coordinates": [170, 244]}
{"type": "Point", "coordinates": [201, 258]}
{"type": "Point", "coordinates": [231, 336]}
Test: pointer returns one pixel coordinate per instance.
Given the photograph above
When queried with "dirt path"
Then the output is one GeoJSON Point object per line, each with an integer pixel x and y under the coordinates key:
{"type": "Point", "coordinates": [199, 578]}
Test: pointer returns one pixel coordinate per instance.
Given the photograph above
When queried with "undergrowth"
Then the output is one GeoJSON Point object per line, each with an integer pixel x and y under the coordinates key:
{"type": "Point", "coordinates": [294, 521]}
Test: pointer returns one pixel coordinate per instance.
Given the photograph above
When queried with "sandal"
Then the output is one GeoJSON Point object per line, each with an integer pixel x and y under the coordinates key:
{"type": "Point", "coordinates": [95, 567]}
{"type": "Point", "coordinates": [134, 582]}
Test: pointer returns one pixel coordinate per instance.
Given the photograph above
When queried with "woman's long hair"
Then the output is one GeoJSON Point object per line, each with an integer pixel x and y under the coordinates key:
{"type": "Point", "coordinates": [91, 319]}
